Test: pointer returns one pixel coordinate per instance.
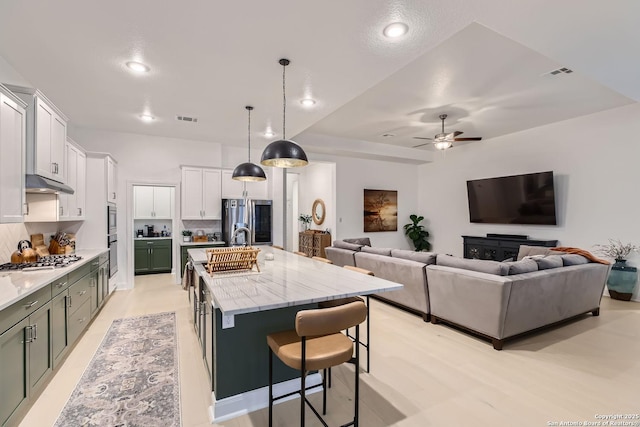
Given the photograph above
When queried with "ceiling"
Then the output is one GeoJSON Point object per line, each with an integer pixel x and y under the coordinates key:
{"type": "Point", "coordinates": [480, 61]}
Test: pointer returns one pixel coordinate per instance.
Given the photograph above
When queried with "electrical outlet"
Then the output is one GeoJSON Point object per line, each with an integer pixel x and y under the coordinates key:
{"type": "Point", "coordinates": [228, 321]}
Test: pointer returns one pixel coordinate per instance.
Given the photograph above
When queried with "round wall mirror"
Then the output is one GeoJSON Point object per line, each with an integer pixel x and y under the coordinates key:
{"type": "Point", "coordinates": [318, 211]}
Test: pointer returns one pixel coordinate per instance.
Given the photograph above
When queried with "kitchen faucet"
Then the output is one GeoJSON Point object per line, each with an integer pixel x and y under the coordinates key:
{"type": "Point", "coordinates": [235, 232]}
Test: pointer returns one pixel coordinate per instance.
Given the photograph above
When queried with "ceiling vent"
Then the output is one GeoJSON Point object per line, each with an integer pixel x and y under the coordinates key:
{"type": "Point", "coordinates": [563, 70]}
{"type": "Point", "coordinates": [187, 119]}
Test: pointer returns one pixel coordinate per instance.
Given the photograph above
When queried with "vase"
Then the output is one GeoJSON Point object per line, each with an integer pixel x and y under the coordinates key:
{"type": "Point", "coordinates": [622, 280]}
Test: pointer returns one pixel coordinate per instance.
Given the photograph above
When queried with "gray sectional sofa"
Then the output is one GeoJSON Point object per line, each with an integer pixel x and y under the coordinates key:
{"type": "Point", "coordinates": [496, 300]}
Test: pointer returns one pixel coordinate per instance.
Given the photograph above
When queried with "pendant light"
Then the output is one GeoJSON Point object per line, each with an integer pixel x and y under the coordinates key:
{"type": "Point", "coordinates": [284, 153]}
{"type": "Point", "coordinates": [248, 171]}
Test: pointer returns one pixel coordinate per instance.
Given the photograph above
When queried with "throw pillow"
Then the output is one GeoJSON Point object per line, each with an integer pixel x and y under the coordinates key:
{"type": "Point", "coordinates": [345, 245]}
{"type": "Point", "coordinates": [363, 241]}
{"type": "Point", "coordinates": [482, 266]}
{"type": "Point", "coordinates": [379, 251]}
{"type": "Point", "coordinates": [526, 250]}
{"type": "Point", "coordinates": [523, 266]}
{"type": "Point", "coordinates": [548, 262]}
{"type": "Point", "coordinates": [573, 259]}
{"type": "Point", "coordinates": [423, 257]}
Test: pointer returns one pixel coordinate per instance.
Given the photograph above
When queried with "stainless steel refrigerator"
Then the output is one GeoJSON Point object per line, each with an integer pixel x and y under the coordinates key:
{"type": "Point", "coordinates": [255, 215]}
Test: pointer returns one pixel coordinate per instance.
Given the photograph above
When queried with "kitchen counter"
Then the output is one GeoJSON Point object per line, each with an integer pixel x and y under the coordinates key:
{"type": "Point", "coordinates": [217, 243]}
{"type": "Point", "coordinates": [16, 285]}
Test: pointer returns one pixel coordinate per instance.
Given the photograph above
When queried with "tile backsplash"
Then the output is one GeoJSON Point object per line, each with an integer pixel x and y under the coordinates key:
{"type": "Point", "coordinates": [10, 235]}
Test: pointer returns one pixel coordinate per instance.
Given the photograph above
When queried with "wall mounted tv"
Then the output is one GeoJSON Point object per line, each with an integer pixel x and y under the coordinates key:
{"type": "Point", "coordinates": [517, 199]}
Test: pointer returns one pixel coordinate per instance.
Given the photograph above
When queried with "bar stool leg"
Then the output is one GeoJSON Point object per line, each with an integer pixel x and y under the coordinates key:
{"type": "Point", "coordinates": [303, 371]}
{"type": "Point", "coordinates": [357, 369]}
{"type": "Point", "coordinates": [324, 391]}
{"type": "Point", "coordinates": [270, 387]}
{"type": "Point", "coordinates": [368, 337]}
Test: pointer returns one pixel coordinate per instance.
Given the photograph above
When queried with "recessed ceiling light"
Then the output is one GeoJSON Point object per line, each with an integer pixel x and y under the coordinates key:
{"type": "Point", "coordinates": [308, 102]}
{"type": "Point", "coordinates": [138, 67]}
{"type": "Point", "coordinates": [147, 118]}
{"type": "Point", "coordinates": [269, 134]}
{"type": "Point", "coordinates": [395, 30]}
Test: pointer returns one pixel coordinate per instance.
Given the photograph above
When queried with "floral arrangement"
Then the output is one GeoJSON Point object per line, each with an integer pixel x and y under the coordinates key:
{"type": "Point", "coordinates": [616, 249]}
{"type": "Point", "coordinates": [305, 220]}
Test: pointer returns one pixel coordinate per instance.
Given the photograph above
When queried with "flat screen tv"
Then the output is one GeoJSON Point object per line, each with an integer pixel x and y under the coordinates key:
{"type": "Point", "coordinates": [517, 199]}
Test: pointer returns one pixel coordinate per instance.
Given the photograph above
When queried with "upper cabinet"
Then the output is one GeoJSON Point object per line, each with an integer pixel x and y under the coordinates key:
{"type": "Point", "coordinates": [72, 206]}
{"type": "Point", "coordinates": [12, 147]}
{"type": "Point", "coordinates": [152, 202]}
{"type": "Point", "coordinates": [233, 189]}
{"type": "Point", "coordinates": [46, 133]}
{"type": "Point", "coordinates": [112, 180]}
{"type": "Point", "coordinates": [201, 193]}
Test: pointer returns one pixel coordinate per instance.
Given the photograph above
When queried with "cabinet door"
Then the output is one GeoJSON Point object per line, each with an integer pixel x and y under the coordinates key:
{"type": "Point", "coordinates": [81, 185]}
{"type": "Point", "coordinates": [212, 202]}
{"type": "Point", "coordinates": [142, 253]}
{"type": "Point", "coordinates": [112, 180]}
{"type": "Point", "coordinates": [58, 141]}
{"type": "Point", "coordinates": [231, 188]}
{"type": "Point", "coordinates": [68, 201]}
{"type": "Point", "coordinates": [59, 341]}
{"type": "Point", "coordinates": [44, 124]}
{"type": "Point", "coordinates": [13, 370]}
{"type": "Point", "coordinates": [40, 360]}
{"type": "Point", "coordinates": [12, 146]}
{"type": "Point", "coordinates": [162, 202]}
{"type": "Point", "coordinates": [259, 190]}
{"type": "Point", "coordinates": [143, 201]}
{"type": "Point", "coordinates": [93, 289]}
{"type": "Point", "coordinates": [160, 258]}
{"type": "Point", "coordinates": [192, 191]}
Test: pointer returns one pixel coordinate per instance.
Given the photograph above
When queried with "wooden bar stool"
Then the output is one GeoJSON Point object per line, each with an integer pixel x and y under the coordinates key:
{"type": "Point", "coordinates": [316, 343]}
{"type": "Point", "coordinates": [319, 258]}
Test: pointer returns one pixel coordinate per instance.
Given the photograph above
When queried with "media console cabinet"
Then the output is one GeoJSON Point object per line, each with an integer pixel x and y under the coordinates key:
{"type": "Point", "coordinates": [499, 247]}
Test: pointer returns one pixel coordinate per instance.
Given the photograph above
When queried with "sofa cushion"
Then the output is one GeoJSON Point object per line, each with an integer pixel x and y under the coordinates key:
{"type": "Point", "coordinates": [548, 262]}
{"type": "Point", "coordinates": [424, 257]}
{"type": "Point", "coordinates": [378, 251]}
{"type": "Point", "coordinates": [573, 259]}
{"type": "Point", "coordinates": [523, 266]}
{"type": "Point", "coordinates": [345, 245]}
{"type": "Point", "coordinates": [526, 250]}
{"type": "Point", "coordinates": [363, 241]}
{"type": "Point", "coordinates": [483, 266]}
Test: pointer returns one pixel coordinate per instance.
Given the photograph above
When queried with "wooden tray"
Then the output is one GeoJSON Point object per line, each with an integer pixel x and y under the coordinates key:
{"type": "Point", "coordinates": [200, 239]}
{"type": "Point", "coordinates": [232, 259]}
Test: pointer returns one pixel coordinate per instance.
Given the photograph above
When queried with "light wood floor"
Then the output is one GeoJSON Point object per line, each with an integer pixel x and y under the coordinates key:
{"type": "Point", "coordinates": [422, 374]}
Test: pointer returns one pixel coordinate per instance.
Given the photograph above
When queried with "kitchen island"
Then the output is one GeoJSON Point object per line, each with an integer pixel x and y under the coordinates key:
{"type": "Point", "coordinates": [234, 312]}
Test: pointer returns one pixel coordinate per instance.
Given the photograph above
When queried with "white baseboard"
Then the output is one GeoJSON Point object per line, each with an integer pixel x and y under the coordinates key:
{"type": "Point", "coordinates": [241, 404]}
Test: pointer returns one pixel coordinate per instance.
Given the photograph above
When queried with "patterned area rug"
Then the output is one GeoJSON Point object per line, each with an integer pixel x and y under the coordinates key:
{"type": "Point", "coordinates": [132, 379]}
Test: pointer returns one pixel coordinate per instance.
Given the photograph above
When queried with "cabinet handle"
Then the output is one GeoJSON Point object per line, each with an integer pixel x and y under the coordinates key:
{"type": "Point", "coordinates": [114, 195]}
{"type": "Point", "coordinates": [26, 209]}
{"type": "Point", "coordinates": [30, 304]}
{"type": "Point", "coordinates": [59, 285]}
{"type": "Point", "coordinates": [28, 335]}
{"type": "Point", "coordinates": [53, 168]}
{"type": "Point", "coordinates": [35, 331]}
{"type": "Point", "coordinates": [79, 211]}
{"type": "Point", "coordinates": [82, 320]}
{"type": "Point", "coordinates": [92, 283]}
{"type": "Point", "coordinates": [82, 293]}
{"type": "Point", "coordinates": [61, 211]}
{"type": "Point", "coordinates": [96, 263]}
{"type": "Point", "coordinates": [70, 302]}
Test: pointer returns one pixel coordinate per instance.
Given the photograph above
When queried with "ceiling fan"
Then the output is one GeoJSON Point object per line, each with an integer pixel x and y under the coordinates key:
{"type": "Point", "coordinates": [443, 140]}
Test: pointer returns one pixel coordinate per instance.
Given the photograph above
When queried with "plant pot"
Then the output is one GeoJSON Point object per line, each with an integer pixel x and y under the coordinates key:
{"type": "Point", "coordinates": [622, 280]}
{"type": "Point", "coordinates": [186, 238]}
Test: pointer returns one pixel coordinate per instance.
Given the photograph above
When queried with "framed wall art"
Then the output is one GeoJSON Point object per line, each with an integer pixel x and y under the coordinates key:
{"type": "Point", "coordinates": [380, 210]}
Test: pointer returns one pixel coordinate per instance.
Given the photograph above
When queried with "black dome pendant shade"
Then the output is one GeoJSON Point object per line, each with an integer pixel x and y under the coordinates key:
{"type": "Point", "coordinates": [284, 153]}
{"type": "Point", "coordinates": [248, 171]}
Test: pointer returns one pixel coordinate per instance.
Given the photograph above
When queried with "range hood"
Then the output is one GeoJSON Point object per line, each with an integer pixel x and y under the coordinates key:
{"type": "Point", "coordinates": [40, 184]}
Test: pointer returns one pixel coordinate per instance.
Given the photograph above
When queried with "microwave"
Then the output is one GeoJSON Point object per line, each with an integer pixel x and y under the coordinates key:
{"type": "Point", "coordinates": [112, 219]}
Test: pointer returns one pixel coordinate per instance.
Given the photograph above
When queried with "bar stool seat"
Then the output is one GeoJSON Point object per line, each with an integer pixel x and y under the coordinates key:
{"type": "Point", "coordinates": [339, 301]}
{"type": "Point", "coordinates": [328, 350]}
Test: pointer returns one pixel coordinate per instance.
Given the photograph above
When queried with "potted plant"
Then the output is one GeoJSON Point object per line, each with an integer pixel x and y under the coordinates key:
{"type": "Point", "coordinates": [305, 220]}
{"type": "Point", "coordinates": [417, 233]}
{"type": "Point", "coordinates": [622, 278]}
{"type": "Point", "coordinates": [186, 235]}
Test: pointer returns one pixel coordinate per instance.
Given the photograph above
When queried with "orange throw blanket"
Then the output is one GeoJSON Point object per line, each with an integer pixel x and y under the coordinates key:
{"type": "Point", "coordinates": [588, 255]}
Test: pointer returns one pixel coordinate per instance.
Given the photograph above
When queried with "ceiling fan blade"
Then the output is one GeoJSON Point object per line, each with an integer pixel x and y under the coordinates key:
{"type": "Point", "coordinates": [454, 134]}
{"type": "Point", "coordinates": [422, 137]}
{"type": "Point", "coordinates": [478, 138]}
{"type": "Point", "coordinates": [422, 145]}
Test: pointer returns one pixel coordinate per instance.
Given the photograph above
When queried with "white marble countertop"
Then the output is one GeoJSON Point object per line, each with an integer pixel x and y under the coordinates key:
{"type": "Point", "coordinates": [217, 243]}
{"type": "Point", "coordinates": [154, 238]}
{"type": "Point", "coordinates": [287, 280]}
{"type": "Point", "coordinates": [17, 285]}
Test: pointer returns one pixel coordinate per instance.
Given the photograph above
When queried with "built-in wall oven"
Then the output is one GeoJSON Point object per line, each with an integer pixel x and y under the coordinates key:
{"type": "Point", "coordinates": [112, 238]}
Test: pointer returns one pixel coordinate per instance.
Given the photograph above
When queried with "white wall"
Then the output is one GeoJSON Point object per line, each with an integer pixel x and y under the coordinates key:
{"type": "Point", "coordinates": [595, 164]}
{"type": "Point", "coordinates": [317, 181]}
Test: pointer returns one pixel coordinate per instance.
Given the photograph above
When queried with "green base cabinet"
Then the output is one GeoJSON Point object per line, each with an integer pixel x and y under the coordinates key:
{"type": "Point", "coordinates": [153, 256]}
{"type": "Point", "coordinates": [59, 325]}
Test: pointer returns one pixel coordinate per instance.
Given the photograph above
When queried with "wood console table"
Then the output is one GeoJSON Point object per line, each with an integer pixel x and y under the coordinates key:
{"type": "Point", "coordinates": [313, 242]}
{"type": "Point", "coordinates": [499, 247]}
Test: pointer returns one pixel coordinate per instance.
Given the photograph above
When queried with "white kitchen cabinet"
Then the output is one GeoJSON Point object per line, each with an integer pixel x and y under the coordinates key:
{"type": "Point", "coordinates": [201, 193]}
{"type": "Point", "coordinates": [152, 202]}
{"type": "Point", "coordinates": [112, 180]}
{"type": "Point", "coordinates": [233, 189]}
{"type": "Point", "coordinates": [46, 133]}
{"type": "Point", "coordinates": [12, 147]}
{"type": "Point", "coordinates": [72, 206]}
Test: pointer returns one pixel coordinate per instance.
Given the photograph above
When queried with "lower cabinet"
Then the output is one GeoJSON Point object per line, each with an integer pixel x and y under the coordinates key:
{"type": "Point", "coordinates": [25, 360]}
{"type": "Point", "coordinates": [208, 330]}
{"type": "Point", "coordinates": [59, 326]}
{"type": "Point", "coordinates": [152, 256]}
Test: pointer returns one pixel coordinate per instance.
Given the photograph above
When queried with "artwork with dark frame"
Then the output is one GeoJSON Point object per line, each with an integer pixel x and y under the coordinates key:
{"type": "Point", "coordinates": [380, 210]}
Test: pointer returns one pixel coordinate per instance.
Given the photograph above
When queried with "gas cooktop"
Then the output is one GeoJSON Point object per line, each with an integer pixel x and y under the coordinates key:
{"type": "Point", "coordinates": [50, 262]}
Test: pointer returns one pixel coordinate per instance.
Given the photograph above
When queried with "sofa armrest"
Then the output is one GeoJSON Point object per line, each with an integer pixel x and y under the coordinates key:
{"type": "Point", "coordinates": [471, 299]}
{"type": "Point", "coordinates": [339, 256]}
